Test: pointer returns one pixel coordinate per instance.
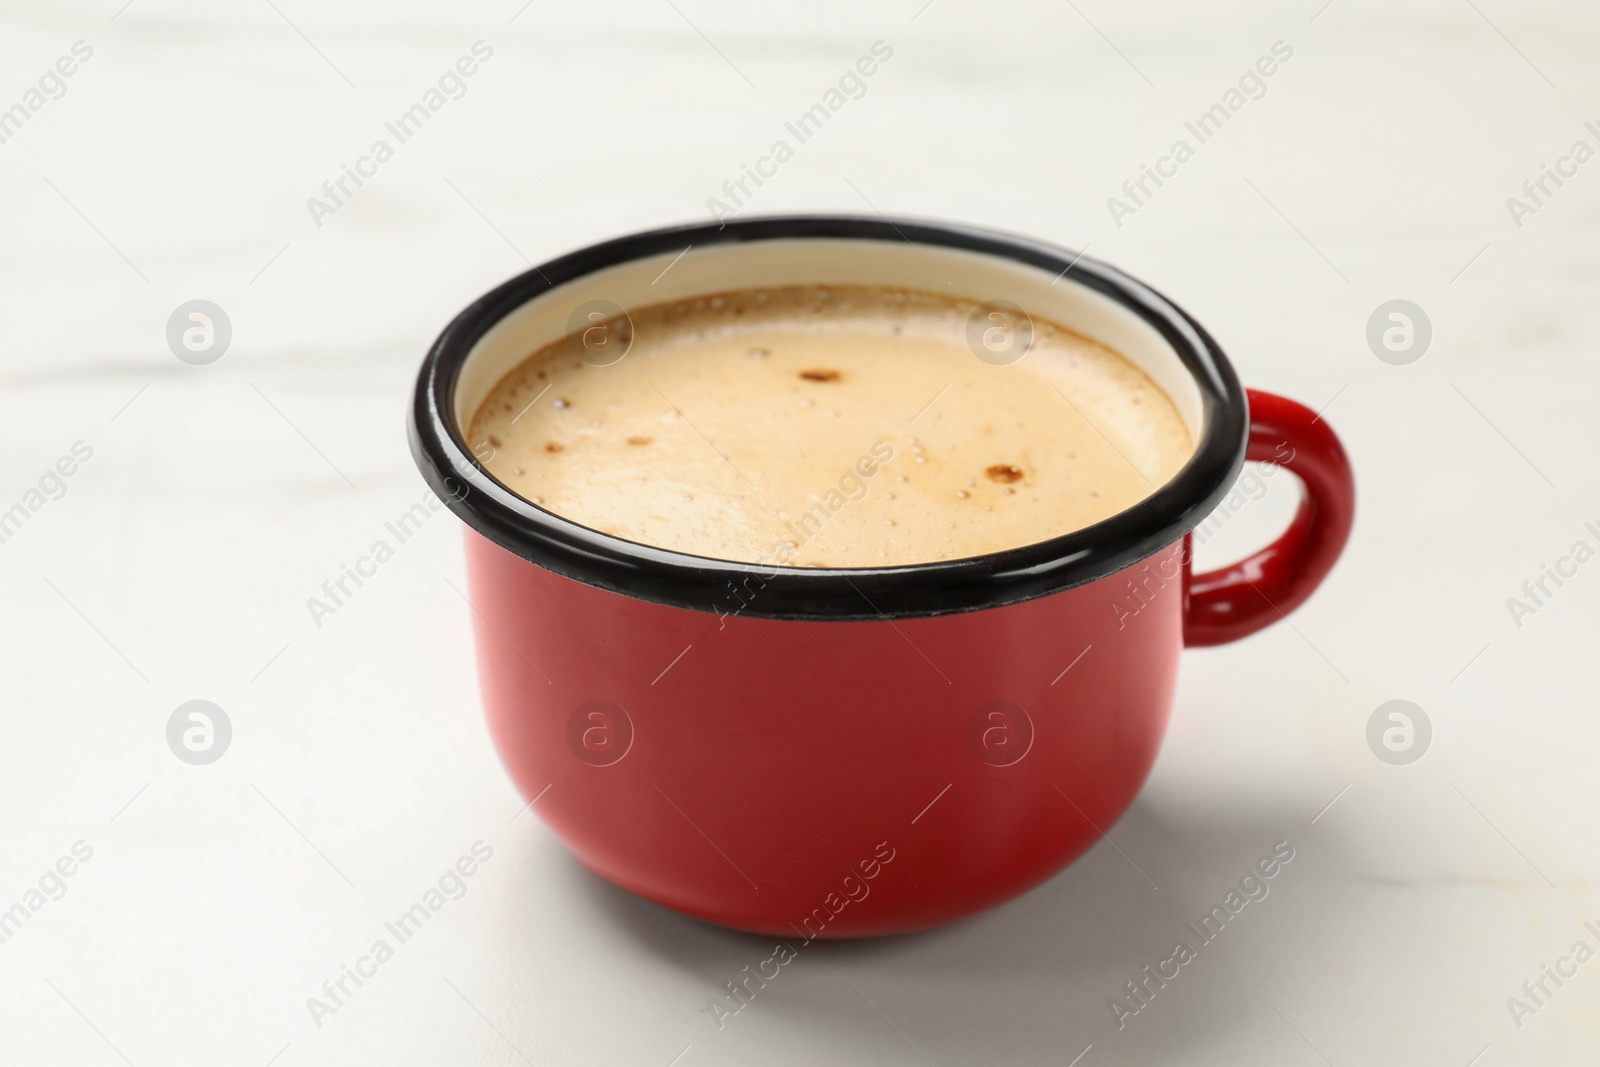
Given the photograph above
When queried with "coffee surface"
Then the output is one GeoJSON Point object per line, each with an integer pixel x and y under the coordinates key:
{"type": "Point", "coordinates": [827, 426]}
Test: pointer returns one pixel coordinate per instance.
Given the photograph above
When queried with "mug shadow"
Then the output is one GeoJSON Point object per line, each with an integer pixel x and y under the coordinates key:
{"type": "Point", "coordinates": [1032, 979]}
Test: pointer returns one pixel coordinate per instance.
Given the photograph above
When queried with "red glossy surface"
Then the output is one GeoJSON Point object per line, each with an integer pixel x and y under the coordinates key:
{"type": "Point", "coordinates": [843, 779]}
{"type": "Point", "coordinates": [1228, 604]}
{"type": "Point", "coordinates": [759, 769]}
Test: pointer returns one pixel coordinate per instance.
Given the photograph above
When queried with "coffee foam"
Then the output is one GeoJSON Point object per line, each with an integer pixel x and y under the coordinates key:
{"type": "Point", "coordinates": [838, 426]}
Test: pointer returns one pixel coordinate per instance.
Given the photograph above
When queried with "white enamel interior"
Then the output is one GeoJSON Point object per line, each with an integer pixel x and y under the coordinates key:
{"type": "Point", "coordinates": [827, 261]}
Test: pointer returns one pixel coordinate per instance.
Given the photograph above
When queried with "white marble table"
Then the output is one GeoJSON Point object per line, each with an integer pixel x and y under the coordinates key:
{"type": "Point", "coordinates": [175, 562]}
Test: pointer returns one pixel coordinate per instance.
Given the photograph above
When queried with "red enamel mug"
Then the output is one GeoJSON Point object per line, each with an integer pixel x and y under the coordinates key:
{"type": "Point", "coordinates": [852, 752]}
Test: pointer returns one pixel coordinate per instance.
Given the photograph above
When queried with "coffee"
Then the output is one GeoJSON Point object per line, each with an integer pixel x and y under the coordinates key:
{"type": "Point", "coordinates": [831, 426]}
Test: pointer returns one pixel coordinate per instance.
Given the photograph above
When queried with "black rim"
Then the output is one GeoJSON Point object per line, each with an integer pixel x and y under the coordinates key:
{"type": "Point", "coordinates": [673, 578]}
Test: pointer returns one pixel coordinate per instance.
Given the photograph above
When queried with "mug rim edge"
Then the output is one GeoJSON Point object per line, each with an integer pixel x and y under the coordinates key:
{"type": "Point", "coordinates": [678, 579]}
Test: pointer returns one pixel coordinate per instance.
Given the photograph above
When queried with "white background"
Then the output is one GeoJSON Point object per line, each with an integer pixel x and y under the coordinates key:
{"type": "Point", "coordinates": [219, 498]}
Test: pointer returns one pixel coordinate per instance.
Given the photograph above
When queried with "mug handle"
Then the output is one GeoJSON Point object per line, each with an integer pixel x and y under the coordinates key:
{"type": "Point", "coordinates": [1228, 604]}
